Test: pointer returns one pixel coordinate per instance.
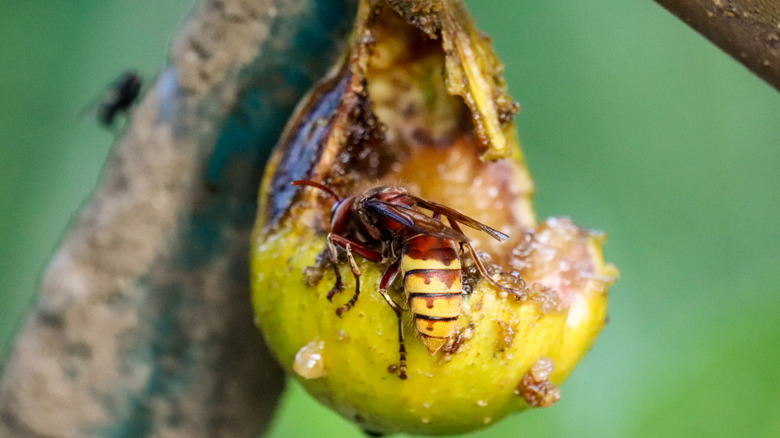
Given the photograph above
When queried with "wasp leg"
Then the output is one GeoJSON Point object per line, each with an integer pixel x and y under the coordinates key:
{"type": "Point", "coordinates": [349, 246]}
{"type": "Point", "coordinates": [361, 249]}
{"type": "Point", "coordinates": [334, 259]}
{"type": "Point", "coordinates": [356, 274]}
{"type": "Point", "coordinates": [518, 293]}
{"type": "Point", "coordinates": [387, 280]}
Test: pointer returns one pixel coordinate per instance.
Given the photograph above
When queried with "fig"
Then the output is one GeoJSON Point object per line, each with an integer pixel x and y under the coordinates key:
{"type": "Point", "coordinates": [418, 102]}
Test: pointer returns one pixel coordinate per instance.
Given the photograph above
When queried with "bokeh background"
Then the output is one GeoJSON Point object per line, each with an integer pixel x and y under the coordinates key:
{"type": "Point", "coordinates": [632, 123]}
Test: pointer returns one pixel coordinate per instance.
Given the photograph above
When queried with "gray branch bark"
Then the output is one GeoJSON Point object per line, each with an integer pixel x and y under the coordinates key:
{"type": "Point", "coordinates": [143, 323]}
{"type": "Point", "coordinates": [748, 30]}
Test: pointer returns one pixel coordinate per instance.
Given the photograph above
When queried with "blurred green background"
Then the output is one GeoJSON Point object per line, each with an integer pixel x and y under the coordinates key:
{"type": "Point", "coordinates": [632, 123]}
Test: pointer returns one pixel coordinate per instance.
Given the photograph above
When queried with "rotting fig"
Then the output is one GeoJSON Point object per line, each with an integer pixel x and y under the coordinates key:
{"type": "Point", "coordinates": [418, 101]}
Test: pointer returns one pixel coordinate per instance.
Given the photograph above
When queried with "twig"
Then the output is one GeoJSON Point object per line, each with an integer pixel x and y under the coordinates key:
{"type": "Point", "coordinates": [748, 30]}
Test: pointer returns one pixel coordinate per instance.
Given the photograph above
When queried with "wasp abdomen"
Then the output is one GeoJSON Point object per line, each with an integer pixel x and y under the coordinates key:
{"type": "Point", "coordinates": [432, 279]}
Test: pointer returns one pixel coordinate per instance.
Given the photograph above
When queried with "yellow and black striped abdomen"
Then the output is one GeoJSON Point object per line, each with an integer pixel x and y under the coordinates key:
{"type": "Point", "coordinates": [433, 282]}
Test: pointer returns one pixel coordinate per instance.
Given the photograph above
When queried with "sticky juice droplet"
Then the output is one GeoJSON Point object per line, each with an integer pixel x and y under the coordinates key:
{"type": "Point", "coordinates": [309, 363]}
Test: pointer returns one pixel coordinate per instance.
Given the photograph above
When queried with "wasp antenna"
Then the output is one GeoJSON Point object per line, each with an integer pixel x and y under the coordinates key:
{"type": "Point", "coordinates": [323, 187]}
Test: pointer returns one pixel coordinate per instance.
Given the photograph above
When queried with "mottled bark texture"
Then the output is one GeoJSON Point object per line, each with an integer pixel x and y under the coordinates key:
{"type": "Point", "coordinates": [143, 325]}
{"type": "Point", "coordinates": [748, 30]}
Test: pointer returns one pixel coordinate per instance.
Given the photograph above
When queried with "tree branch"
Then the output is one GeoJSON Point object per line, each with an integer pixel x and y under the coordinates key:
{"type": "Point", "coordinates": [748, 30]}
{"type": "Point", "coordinates": [143, 323]}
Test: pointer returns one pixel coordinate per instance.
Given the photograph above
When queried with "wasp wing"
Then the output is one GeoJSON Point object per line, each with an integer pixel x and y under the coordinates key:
{"type": "Point", "coordinates": [455, 215]}
{"type": "Point", "coordinates": [415, 220]}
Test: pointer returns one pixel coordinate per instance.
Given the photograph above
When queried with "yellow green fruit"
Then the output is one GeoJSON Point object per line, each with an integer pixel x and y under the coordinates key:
{"type": "Point", "coordinates": [418, 100]}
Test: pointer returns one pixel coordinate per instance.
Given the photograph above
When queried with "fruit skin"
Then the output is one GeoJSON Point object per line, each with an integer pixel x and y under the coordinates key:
{"type": "Point", "coordinates": [445, 394]}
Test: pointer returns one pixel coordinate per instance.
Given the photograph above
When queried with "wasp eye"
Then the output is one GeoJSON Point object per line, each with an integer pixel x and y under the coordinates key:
{"type": "Point", "coordinates": [335, 208]}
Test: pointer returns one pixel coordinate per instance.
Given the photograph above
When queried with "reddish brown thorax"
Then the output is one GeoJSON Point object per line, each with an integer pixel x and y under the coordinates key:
{"type": "Point", "coordinates": [392, 195]}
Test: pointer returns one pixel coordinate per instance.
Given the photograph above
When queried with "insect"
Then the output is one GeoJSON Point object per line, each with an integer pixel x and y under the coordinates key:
{"type": "Point", "coordinates": [120, 98]}
{"type": "Point", "coordinates": [387, 224]}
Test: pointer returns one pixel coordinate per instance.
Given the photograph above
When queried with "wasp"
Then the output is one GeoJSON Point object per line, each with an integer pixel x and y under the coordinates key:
{"type": "Point", "coordinates": [388, 225]}
{"type": "Point", "coordinates": [120, 98]}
